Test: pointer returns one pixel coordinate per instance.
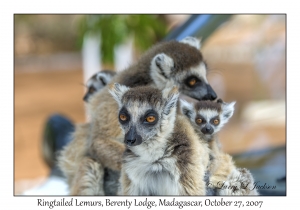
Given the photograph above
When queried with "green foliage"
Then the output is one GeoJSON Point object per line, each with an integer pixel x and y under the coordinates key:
{"type": "Point", "coordinates": [116, 29]}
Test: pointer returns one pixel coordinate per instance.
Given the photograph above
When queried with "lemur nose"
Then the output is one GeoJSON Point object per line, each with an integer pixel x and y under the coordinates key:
{"type": "Point", "coordinates": [211, 95]}
{"type": "Point", "coordinates": [130, 141]}
{"type": "Point", "coordinates": [207, 130]}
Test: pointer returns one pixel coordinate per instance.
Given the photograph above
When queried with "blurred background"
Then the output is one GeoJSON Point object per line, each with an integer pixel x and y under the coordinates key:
{"type": "Point", "coordinates": [246, 56]}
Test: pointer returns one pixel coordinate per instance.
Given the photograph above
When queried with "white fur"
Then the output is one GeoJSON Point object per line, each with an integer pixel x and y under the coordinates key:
{"type": "Point", "coordinates": [153, 172]}
{"type": "Point", "coordinates": [228, 108]}
{"type": "Point", "coordinates": [192, 41]}
{"type": "Point", "coordinates": [150, 174]}
{"type": "Point", "coordinates": [117, 91]}
{"type": "Point", "coordinates": [172, 94]}
{"type": "Point", "coordinates": [104, 76]}
{"type": "Point", "coordinates": [166, 64]}
{"type": "Point", "coordinates": [208, 113]}
{"type": "Point", "coordinates": [199, 71]}
{"type": "Point", "coordinates": [243, 184]}
{"type": "Point", "coordinates": [184, 105]}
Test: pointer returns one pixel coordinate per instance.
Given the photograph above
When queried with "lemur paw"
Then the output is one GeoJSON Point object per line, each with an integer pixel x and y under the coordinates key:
{"type": "Point", "coordinates": [239, 182]}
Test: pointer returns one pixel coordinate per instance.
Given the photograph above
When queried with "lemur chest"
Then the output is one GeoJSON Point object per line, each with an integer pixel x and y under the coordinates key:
{"type": "Point", "coordinates": [160, 177]}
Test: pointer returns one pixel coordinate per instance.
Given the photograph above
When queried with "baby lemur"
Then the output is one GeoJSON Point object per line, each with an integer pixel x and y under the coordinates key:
{"type": "Point", "coordinates": [177, 62]}
{"type": "Point", "coordinates": [75, 163]}
{"type": "Point", "coordinates": [163, 154]}
{"type": "Point", "coordinates": [207, 118]}
{"type": "Point", "coordinates": [97, 82]}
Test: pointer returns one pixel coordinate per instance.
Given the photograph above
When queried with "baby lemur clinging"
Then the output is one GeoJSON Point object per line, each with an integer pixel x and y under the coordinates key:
{"type": "Point", "coordinates": [75, 164]}
{"type": "Point", "coordinates": [207, 118]}
{"type": "Point", "coordinates": [97, 82]}
{"type": "Point", "coordinates": [163, 153]}
{"type": "Point", "coordinates": [177, 62]}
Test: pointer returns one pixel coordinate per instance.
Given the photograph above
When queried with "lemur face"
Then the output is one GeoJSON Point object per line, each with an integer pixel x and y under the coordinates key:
{"type": "Point", "coordinates": [184, 66]}
{"type": "Point", "coordinates": [143, 111]}
{"type": "Point", "coordinates": [207, 117]}
{"type": "Point", "coordinates": [97, 82]}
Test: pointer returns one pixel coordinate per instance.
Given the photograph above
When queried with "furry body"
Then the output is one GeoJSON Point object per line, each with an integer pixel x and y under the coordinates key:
{"type": "Point", "coordinates": [170, 62]}
{"type": "Point", "coordinates": [176, 168]}
{"type": "Point", "coordinates": [221, 169]}
{"type": "Point", "coordinates": [165, 156]}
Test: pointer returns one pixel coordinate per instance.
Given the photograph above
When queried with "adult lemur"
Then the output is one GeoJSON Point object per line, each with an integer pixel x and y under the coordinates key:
{"type": "Point", "coordinates": [207, 118]}
{"type": "Point", "coordinates": [163, 155]}
{"type": "Point", "coordinates": [176, 62]}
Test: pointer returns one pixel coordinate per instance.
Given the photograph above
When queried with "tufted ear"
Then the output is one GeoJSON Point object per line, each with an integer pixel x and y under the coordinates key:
{"type": "Point", "coordinates": [171, 95]}
{"type": "Point", "coordinates": [186, 108]}
{"type": "Point", "coordinates": [117, 91]}
{"type": "Point", "coordinates": [103, 78]}
{"type": "Point", "coordinates": [227, 110]}
{"type": "Point", "coordinates": [192, 41]}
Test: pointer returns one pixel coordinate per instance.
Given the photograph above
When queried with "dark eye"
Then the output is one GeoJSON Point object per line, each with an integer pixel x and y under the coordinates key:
{"type": "Point", "coordinates": [199, 121]}
{"type": "Point", "coordinates": [92, 89]}
{"type": "Point", "coordinates": [123, 117]}
{"type": "Point", "coordinates": [216, 122]}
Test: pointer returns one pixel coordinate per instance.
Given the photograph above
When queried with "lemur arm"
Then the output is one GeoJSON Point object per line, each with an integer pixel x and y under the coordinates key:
{"type": "Point", "coordinates": [109, 154]}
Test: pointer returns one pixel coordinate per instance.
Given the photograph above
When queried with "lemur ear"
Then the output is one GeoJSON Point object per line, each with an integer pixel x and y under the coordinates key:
{"type": "Point", "coordinates": [171, 95]}
{"type": "Point", "coordinates": [228, 109]}
{"type": "Point", "coordinates": [102, 78]}
{"type": "Point", "coordinates": [162, 66]}
{"type": "Point", "coordinates": [117, 91]}
{"type": "Point", "coordinates": [192, 41]}
{"type": "Point", "coordinates": [186, 108]}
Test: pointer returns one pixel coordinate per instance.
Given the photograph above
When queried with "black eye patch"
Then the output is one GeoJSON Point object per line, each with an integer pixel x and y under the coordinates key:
{"type": "Point", "coordinates": [200, 119]}
{"type": "Point", "coordinates": [215, 120]}
{"type": "Point", "coordinates": [192, 81]}
{"type": "Point", "coordinates": [92, 89]}
{"type": "Point", "coordinates": [124, 116]}
{"type": "Point", "coordinates": [150, 117]}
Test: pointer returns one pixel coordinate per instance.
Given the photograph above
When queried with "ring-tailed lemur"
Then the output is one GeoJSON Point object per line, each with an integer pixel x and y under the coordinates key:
{"type": "Point", "coordinates": [77, 163]}
{"type": "Point", "coordinates": [207, 118]}
{"type": "Point", "coordinates": [97, 82]}
{"type": "Point", "coordinates": [177, 62]}
{"type": "Point", "coordinates": [163, 154]}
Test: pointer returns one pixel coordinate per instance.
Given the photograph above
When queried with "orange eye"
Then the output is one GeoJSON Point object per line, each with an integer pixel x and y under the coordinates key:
{"type": "Point", "coordinates": [123, 117]}
{"type": "Point", "coordinates": [199, 121]}
{"type": "Point", "coordinates": [150, 119]}
{"type": "Point", "coordinates": [216, 122]}
{"type": "Point", "coordinates": [192, 82]}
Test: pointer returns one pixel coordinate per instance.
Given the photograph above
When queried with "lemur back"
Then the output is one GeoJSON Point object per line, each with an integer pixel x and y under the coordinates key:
{"type": "Point", "coordinates": [179, 63]}
{"type": "Point", "coordinates": [163, 154]}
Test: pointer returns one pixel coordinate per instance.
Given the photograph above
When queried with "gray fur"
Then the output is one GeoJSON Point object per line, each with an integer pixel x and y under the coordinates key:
{"type": "Point", "coordinates": [159, 163]}
{"type": "Point", "coordinates": [111, 181]}
{"type": "Point", "coordinates": [170, 61]}
{"type": "Point", "coordinates": [207, 110]}
{"type": "Point", "coordinates": [97, 82]}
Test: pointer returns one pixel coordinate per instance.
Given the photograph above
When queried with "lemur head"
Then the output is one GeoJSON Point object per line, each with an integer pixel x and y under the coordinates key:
{"type": "Point", "coordinates": [207, 117]}
{"type": "Point", "coordinates": [145, 112]}
{"type": "Point", "coordinates": [97, 82]}
{"type": "Point", "coordinates": [182, 62]}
